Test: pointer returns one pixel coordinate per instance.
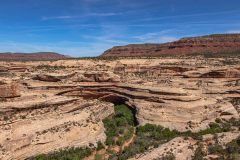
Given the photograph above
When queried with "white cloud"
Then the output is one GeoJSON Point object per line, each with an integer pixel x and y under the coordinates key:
{"type": "Point", "coordinates": [93, 46]}
{"type": "Point", "coordinates": [93, 14]}
{"type": "Point", "coordinates": [104, 14]}
{"type": "Point", "coordinates": [190, 15]}
{"type": "Point", "coordinates": [156, 37]}
{"type": "Point", "coordinates": [233, 31]}
{"type": "Point", "coordinates": [57, 17]}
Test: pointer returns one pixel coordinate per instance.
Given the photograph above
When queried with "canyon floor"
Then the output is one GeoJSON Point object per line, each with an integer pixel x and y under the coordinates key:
{"type": "Point", "coordinates": [47, 106]}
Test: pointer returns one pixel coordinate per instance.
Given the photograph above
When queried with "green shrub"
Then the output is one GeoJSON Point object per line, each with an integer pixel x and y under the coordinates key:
{"type": "Point", "coordinates": [235, 101]}
{"type": "Point", "coordinates": [66, 154]}
{"type": "Point", "coordinates": [234, 122]}
{"type": "Point", "coordinates": [233, 146]}
{"type": "Point", "coordinates": [100, 145]}
{"type": "Point", "coordinates": [98, 157]}
{"type": "Point", "coordinates": [148, 136]}
{"type": "Point", "coordinates": [215, 148]}
{"type": "Point", "coordinates": [218, 120]}
{"type": "Point", "coordinates": [41, 157]}
{"type": "Point", "coordinates": [120, 141]}
{"type": "Point", "coordinates": [129, 133]}
{"type": "Point", "coordinates": [124, 112]}
{"type": "Point", "coordinates": [199, 153]}
{"type": "Point", "coordinates": [231, 151]}
{"type": "Point", "coordinates": [119, 127]}
{"type": "Point", "coordinates": [109, 141]}
{"type": "Point", "coordinates": [213, 129]}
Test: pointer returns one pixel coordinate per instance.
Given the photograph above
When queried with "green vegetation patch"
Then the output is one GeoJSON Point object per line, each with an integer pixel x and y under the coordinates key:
{"type": "Point", "coordinates": [98, 157]}
{"type": "Point", "coordinates": [199, 153]}
{"type": "Point", "coordinates": [150, 135]}
{"type": "Point", "coordinates": [147, 136]}
{"type": "Point", "coordinates": [230, 152]}
{"type": "Point", "coordinates": [120, 126]}
{"type": "Point", "coordinates": [67, 154]}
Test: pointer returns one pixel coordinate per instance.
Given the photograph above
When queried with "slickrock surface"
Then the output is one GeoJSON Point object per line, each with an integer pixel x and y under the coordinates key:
{"type": "Point", "coordinates": [44, 125]}
{"type": "Point", "coordinates": [45, 106]}
{"type": "Point", "coordinates": [215, 44]}
{"type": "Point", "coordinates": [182, 149]}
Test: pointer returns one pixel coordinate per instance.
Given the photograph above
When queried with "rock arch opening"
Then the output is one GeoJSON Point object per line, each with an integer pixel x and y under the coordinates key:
{"type": "Point", "coordinates": [119, 100]}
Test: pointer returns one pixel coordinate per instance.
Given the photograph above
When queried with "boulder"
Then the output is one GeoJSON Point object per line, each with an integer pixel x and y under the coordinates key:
{"type": "Point", "coordinates": [9, 90]}
{"type": "Point", "coordinates": [96, 77]}
{"type": "Point", "coordinates": [47, 78]}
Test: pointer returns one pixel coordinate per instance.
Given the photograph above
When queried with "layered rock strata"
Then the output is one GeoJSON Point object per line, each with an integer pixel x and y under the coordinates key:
{"type": "Point", "coordinates": [212, 44]}
{"type": "Point", "coordinates": [62, 104]}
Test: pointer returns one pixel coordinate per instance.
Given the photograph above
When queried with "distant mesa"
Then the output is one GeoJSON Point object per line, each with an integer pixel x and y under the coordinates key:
{"type": "Point", "coordinates": [38, 56]}
{"type": "Point", "coordinates": [210, 44]}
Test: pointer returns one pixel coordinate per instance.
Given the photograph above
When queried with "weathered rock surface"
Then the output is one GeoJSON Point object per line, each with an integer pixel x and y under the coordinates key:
{"type": "Point", "coordinates": [183, 149]}
{"type": "Point", "coordinates": [64, 106]}
{"type": "Point", "coordinates": [173, 108]}
{"type": "Point", "coordinates": [180, 148]}
{"type": "Point", "coordinates": [96, 77]}
{"type": "Point", "coordinates": [225, 73]}
{"type": "Point", "coordinates": [213, 44]}
{"type": "Point", "coordinates": [9, 90]}
{"type": "Point", "coordinates": [47, 78]}
{"type": "Point", "coordinates": [29, 129]}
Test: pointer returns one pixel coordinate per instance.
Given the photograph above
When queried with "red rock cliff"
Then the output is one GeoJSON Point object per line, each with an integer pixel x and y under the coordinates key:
{"type": "Point", "coordinates": [219, 43]}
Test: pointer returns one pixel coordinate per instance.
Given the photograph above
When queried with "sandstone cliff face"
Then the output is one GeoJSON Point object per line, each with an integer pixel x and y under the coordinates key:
{"type": "Point", "coordinates": [55, 109]}
{"type": "Point", "coordinates": [33, 125]}
{"type": "Point", "coordinates": [214, 44]}
{"type": "Point", "coordinates": [172, 108]}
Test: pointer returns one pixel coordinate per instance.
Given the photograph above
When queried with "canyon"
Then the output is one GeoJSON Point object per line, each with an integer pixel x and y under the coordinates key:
{"type": "Point", "coordinates": [46, 106]}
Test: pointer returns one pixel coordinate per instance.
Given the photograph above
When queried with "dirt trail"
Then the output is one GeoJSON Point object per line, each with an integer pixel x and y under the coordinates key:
{"type": "Point", "coordinates": [126, 144]}
{"type": "Point", "coordinates": [104, 152]}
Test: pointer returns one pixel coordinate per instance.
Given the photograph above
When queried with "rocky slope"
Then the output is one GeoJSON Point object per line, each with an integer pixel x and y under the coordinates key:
{"type": "Point", "coordinates": [47, 106]}
{"type": "Point", "coordinates": [212, 44]}
{"type": "Point", "coordinates": [38, 122]}
{"type": "Point", "coordinates": [31, 56]}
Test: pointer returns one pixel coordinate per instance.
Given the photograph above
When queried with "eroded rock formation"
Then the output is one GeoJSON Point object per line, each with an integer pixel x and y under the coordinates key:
{"type": "Point", "coordinates": [9, 90]}
{"type": "Point", "coordinates": [64, 106]}
{"type": "Point", "coordinates": [212, 44]}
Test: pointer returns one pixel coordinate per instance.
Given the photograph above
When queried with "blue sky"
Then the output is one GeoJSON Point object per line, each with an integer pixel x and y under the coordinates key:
{"type": "Point", "coordinates": [88, 27]}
